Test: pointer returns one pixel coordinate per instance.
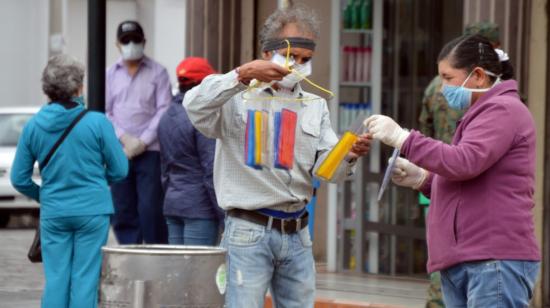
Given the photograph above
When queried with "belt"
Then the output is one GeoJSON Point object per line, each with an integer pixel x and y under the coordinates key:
{"type": "Point", "coordinates": [286, 226]}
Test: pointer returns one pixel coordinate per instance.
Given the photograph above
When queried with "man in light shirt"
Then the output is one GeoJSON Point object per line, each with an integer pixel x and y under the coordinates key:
{"type": "Point", "coordinates": [137, 94]}
{"type": "Point", "coordinates": [266, 232]}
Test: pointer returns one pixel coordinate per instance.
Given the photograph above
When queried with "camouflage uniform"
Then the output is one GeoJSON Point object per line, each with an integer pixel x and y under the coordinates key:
{"type": "Point", "coordinates": [487, 29]}
{"type": "Point", "coordinates": [438, 120]}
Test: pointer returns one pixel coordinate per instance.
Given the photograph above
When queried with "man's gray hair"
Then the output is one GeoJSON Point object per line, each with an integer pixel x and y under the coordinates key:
{"type": "Point", "coordinates": [62, 77]}
{"type": "Point", "coordinates": [304, 18]}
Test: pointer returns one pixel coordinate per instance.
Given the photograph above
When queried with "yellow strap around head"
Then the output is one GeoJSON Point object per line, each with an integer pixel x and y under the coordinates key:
{"type": "Point", "coordinates": [292, 70]}
{"type": "Point", "coordinates": [287, 53]}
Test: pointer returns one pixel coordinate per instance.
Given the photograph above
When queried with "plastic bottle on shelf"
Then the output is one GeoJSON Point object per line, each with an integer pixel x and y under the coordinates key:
{"type": "Point", "coordinates": [347, 15]}
{"type": "Point", "coordinates": [363, 22]}
{"type": "Point", "coordinates": [345, 117]}
{"type": "Point", "coordinates": [369, 108]}
{"type": "Point", "coordinates": [345, 66]}
{"type": "Point", "coordinates": [355, 15]}
{"type": "Point", "coordinates": [359, 109]}
{"type": "Point", "coordinates": [367, 60]}
{"type": "Point", "coordinates": [358, 64]}
{"type": "Point", "coordinates": [341, 116]}
{"type": "Point", "coordinates": [367, 11]}
{"type": "Point", "coordinates": [351, 63]}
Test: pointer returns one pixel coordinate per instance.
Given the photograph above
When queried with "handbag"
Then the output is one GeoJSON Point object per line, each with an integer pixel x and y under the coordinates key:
{"type": "Point", "coordinates": [35, 251]}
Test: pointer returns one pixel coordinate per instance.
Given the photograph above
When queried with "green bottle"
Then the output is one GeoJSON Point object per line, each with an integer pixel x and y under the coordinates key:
{"type": "Point", "coordinates": [347, 15]}
{"type": "Point", "coordinates": [367, 12]}
{"type": "Point", "coordinates": [362, 14]}
{"type": "Point", "coordinates": [355, 15]}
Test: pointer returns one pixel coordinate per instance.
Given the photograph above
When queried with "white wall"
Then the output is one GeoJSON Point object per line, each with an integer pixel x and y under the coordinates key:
{"type": "Point", "coordinates": [25, 34]}
{"type": "Point", "coordinates": [169, 33]}
{"type": "Point", "coordinates": [23, 51]}
{"type": "Point", "coordinates": [117, 12]}
{"type": "Point", "coordinates": [163, 22]}
{"type": "Point", "coordinates": [75, 30]}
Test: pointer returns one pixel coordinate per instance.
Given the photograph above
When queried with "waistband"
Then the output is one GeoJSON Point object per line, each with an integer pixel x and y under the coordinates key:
{"type": "Point", "coordinates": [281, 214]}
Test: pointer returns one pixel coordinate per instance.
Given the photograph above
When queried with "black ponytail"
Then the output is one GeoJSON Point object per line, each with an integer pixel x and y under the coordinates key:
{"type": "Point", "coordinates": [507, 70]}
{"type": "Point", "coordinates": [470, 51]}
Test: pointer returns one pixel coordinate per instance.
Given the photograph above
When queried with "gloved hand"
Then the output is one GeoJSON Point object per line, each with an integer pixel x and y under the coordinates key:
{"type": "Point", "coordinates": [132, 146]}
{"type": "Point", "coordinates": [408, 174]}
{"type": "Point", "coordinates": [386, 130]}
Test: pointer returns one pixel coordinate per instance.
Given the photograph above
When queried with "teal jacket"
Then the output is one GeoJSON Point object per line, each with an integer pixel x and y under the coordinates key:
{"type": "Point", "coordinates": [76, 180]}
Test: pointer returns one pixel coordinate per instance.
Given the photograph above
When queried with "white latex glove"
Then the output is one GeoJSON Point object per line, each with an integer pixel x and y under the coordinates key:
{"type": "Point", "coordinates": [132, 146]}
{"type": "Point", "coordinates": [386, 130]}
{"type": "Point", "coordinates": [408, 174]}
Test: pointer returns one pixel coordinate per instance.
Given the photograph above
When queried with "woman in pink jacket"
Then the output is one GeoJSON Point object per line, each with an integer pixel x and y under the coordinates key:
{"type": "Point", "coordinates": [480, 226]}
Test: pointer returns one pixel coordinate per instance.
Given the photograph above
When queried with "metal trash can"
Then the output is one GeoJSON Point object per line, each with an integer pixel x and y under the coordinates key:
{"type": "Point", "coordinates": [147, 276]}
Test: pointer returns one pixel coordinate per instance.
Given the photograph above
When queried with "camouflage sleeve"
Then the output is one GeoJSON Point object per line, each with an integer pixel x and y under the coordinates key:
{"type": "Point", "coordinates": [425, 119]}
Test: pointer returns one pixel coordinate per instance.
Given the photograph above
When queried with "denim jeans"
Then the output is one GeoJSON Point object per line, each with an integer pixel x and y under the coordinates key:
{"type": "Point", "coordinates": [259, 258]}
{"type": "Point", "coordinates": [495, 283]}
{"type": "Point", "coordinates": [190, 231]}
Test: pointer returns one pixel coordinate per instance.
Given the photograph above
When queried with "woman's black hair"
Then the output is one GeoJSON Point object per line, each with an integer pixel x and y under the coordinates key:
{"type": "Point", "coordinates": [468, 52]}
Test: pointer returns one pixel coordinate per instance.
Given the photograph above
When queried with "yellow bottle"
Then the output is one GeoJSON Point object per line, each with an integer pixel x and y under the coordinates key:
{"type": "Point", "coordinates": [336, 155]}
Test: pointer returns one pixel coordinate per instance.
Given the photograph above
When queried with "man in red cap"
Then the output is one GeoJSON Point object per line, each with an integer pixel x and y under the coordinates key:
{"type": "Point", "coordinates": [187, 156]}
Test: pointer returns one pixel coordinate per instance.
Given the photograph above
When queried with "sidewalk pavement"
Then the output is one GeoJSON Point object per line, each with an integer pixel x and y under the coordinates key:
{"type": "Point", "coordinates": [21, 282]}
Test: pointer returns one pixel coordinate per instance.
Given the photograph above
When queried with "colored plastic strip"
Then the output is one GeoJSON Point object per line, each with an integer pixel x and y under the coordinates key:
{"type": "Point", "coordinates": [258, 138]}
{"type": "Point", "coordinates": [287, 135]}
{"type": "Point", "coordinates": [276, 135]}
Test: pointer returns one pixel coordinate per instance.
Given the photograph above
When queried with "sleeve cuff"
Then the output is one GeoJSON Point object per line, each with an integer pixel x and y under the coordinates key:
{"type": "Point", "coordinates": [233, 77]}
{"type": "Point", "coordinates": [119, 131]}
{"type": "Point", "coordinates": [148, 138]}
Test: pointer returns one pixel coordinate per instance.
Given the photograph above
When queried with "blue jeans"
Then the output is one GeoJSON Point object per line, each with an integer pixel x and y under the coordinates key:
{"type": "Point", "coordinates": [138, 201]}
{"type": "Point", "coordinates": [259, 257]}
{"type": "Point", "coordinates": [496, 283]}
{"type": "Point", "coordinates": [190, 231]}
{"type": "Point", "coordinates": [71, 252]}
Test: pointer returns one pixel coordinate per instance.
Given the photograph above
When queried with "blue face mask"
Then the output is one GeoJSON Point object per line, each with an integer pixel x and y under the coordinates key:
{"type": "Point", "coordinates": [459, 97]}
{"type": "Point", "coordinates": [79, 100]}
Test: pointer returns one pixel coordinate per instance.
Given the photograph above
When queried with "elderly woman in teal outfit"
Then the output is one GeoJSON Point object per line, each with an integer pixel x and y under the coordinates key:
{"type": "Point", "coordinates": [75, 201]}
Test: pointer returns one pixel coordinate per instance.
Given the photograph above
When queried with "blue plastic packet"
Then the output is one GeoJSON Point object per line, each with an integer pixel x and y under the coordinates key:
{"type": "Point", "coordinates": [387, 174]}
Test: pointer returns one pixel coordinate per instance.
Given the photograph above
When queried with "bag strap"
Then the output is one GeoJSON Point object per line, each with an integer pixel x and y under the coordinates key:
{"type": "Point", "coordinates": [63, 136]}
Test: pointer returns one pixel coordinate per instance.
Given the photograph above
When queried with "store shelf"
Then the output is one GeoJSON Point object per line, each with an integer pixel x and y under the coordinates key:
{"type": "Point", "coordinates": [357, 31]}
{"type": "Point", "coordinates": [353, 84]}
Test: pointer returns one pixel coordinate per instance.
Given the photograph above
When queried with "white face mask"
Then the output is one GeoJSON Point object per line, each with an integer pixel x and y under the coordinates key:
{"type": "Point", "coordinates": [299, 71]}
{"type": "Point", "coordinates": [132, 51]}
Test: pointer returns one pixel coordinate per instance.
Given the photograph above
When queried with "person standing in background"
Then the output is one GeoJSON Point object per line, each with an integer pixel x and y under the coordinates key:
{"type": "Point", "coordinates": [187, 158]}
{"type": "Point", "coordinates": [137, 94]}
{"type": "Point", "coordinates": [74, 197]}
{"type": "Point", "coordinates": [439, 121]}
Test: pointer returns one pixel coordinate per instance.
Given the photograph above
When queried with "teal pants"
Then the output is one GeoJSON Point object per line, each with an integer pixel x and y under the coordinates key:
{"type": "Point", "coordinates": [71, 253]}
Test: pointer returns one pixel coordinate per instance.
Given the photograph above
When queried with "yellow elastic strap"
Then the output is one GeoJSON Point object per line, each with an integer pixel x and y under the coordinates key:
{"type": "Point", "coordinates": [304, 77]}
{"type": "Point", "coordinates": [287, 60]}
{"type": "Point", "coordinates": [287, 54]}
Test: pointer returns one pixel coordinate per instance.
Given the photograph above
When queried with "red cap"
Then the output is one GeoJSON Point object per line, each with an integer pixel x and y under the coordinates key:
{"type": "Point", "coordinates": [194, 69]}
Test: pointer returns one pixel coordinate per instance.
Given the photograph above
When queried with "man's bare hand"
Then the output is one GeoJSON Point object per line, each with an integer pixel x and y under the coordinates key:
{"type": "Point", "coordinates": [361, 147]}
{"type": "Point", "coordinates": [261, 70]}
